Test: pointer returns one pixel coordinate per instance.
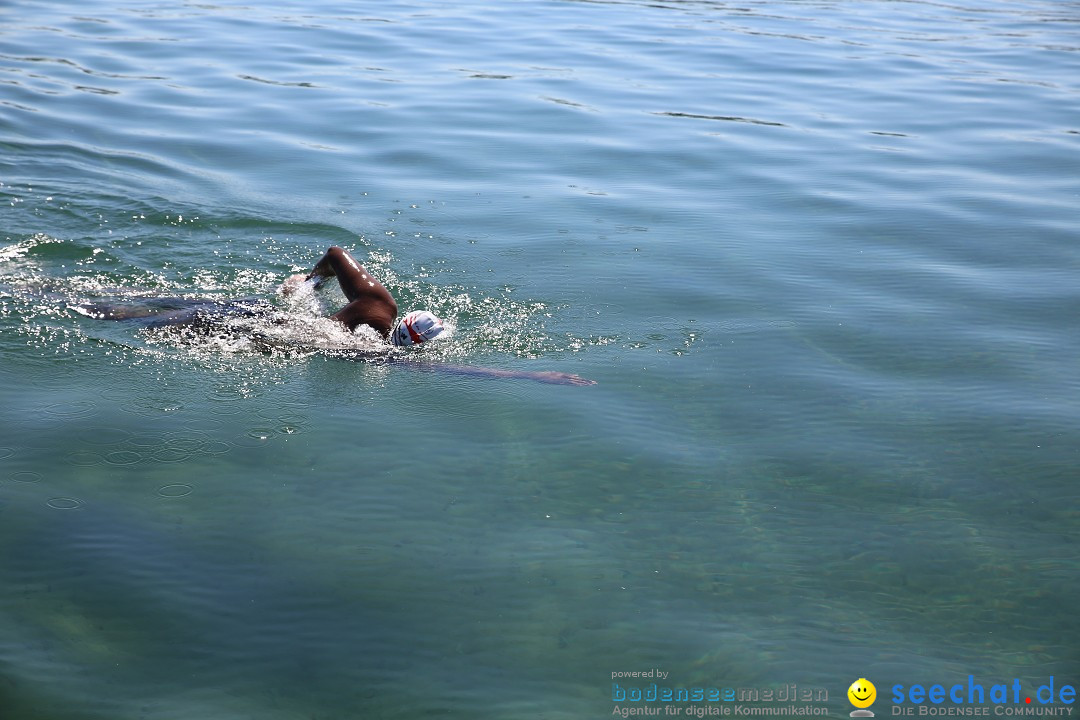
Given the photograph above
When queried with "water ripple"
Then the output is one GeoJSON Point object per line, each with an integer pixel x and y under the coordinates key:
{"type": "Point", "coordinates": [64, 503]}
{"type": "Point", "coordinates": [725, 118]}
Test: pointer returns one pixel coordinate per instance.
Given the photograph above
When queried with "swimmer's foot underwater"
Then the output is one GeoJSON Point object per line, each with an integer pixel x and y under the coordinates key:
{"type": "Point", "coordinates": [164, 311]}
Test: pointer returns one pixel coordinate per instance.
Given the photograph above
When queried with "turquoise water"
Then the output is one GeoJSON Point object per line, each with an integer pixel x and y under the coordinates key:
{"type": "Point", "coordinates": [820, 258]}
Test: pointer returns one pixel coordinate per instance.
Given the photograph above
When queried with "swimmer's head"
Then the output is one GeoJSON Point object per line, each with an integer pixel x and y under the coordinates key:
{"type": "Point", "coordinates": [416, 327]}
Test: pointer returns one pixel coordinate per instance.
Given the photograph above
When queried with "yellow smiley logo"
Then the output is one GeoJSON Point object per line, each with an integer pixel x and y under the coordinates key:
{"type": "Point", "coordinates": [862, 693]}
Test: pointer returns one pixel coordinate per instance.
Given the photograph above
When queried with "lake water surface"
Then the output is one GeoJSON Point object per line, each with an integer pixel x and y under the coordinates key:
{"type": "Point", "coordinates": [820, 258]}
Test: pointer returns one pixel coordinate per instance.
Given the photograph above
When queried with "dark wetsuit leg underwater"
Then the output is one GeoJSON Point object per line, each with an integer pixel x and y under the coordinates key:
{"type": "Point", "coordinates": [163, 311]}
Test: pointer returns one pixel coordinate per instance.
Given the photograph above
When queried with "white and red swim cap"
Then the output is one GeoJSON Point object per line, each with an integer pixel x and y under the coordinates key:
{"type": "Point", "coordinates": [416, 327]}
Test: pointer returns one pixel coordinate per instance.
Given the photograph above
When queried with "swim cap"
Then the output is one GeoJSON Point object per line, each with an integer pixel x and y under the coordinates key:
{"type": "Point", "coordinates": [416, 327]}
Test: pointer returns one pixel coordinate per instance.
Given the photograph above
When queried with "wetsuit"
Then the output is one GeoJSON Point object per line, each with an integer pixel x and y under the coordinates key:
{"type": "Point", "coordinates": [162, 311]}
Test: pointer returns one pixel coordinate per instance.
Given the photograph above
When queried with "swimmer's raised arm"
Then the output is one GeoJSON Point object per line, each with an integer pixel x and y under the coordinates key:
{"type": "Point", "coordinates": [369, 302]}
{"type": "Point", "coordinates": [353, 277]}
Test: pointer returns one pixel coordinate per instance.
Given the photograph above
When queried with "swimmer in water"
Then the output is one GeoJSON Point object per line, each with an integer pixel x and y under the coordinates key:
{"type": "Point", "coordinates": [369, 303]}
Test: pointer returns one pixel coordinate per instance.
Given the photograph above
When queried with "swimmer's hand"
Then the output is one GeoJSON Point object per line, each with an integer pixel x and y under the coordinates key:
{"type": "Point", "coordinates": [544, 376]}
{"type": "Point", "coordinates": [560, 378]}
{"type": "Point", "coordinates": [292, 284]}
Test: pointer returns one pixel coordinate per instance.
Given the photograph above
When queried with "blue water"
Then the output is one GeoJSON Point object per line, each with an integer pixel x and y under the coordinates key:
{"type": "Point", "coordinates": [819, 257]}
